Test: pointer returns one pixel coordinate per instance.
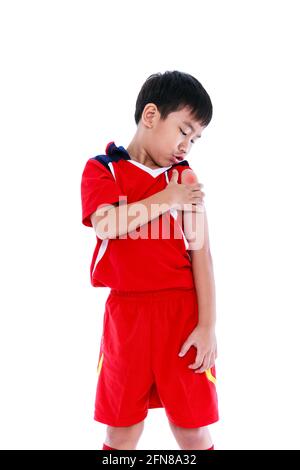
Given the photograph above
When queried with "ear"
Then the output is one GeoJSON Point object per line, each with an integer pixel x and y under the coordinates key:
{"type": "Point", "coordinates": [150, 115]}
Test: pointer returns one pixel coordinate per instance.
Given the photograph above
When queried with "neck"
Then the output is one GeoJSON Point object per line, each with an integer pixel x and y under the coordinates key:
{"type": "Point", "coordinates": [139, 154]}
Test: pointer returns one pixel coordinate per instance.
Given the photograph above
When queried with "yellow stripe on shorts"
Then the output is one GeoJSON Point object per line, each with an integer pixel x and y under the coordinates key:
{"type": "Point", "coordinates": [100, 364]}
{"type": "Point", "coordinates": [210, 376]}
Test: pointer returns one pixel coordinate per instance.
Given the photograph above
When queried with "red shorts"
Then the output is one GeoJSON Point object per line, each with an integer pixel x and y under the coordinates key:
{"type": "Point", "coordinates": [139, 367]}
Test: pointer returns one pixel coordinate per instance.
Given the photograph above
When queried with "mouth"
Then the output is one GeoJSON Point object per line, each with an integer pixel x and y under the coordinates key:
{"type": "Point", "coordinates": [177, 158]}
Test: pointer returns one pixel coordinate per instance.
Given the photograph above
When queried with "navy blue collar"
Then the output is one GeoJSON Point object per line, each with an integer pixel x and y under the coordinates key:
{"type": "Point", "coordinates": [112, 149]}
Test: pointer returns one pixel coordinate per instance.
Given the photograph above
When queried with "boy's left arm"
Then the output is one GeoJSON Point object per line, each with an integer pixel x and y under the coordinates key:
{"type": "Point", "coordinates": [203, 336]}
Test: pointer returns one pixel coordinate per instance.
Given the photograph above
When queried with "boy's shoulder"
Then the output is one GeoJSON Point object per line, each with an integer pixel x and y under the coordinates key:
{"type": "Point", "coordinates": [112, 154]}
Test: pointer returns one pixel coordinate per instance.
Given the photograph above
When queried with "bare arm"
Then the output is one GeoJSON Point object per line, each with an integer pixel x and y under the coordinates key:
{"type": "Point", "coordinates": [196, 232]}
{"type": "Point", "coordinates": [111, 221]}
{"type": "Point", "coordinates": [202, 266]}
{"type": "Point", "coordinates": [203, 336]}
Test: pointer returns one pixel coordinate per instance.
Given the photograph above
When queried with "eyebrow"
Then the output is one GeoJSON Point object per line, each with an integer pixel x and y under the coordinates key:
{"type": "Point", "coordinates": [190, 125]}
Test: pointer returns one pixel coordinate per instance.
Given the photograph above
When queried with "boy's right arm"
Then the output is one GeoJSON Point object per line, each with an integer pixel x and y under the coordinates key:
{"type": "Point", "coordinates": [112, 221]}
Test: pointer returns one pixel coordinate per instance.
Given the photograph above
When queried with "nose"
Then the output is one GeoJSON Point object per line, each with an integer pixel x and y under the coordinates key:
{"type": "Point", "coordinates": [183, 149]}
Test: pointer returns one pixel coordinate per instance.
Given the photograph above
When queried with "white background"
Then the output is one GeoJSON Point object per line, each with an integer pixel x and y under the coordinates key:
{"type": "Point", "coordinates": [70, 75]}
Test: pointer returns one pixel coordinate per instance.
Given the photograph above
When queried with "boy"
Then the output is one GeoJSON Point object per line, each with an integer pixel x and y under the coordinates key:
{"type": "Point", "coordinates": [159, 268]}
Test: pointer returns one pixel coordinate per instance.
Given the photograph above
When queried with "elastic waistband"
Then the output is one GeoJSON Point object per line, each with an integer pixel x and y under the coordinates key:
{"type": "Point", "coordinates": [152, 293]}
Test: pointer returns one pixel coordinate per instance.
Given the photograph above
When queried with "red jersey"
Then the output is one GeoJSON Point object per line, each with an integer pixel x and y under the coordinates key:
{"type": "Point", "coordinates": [154, 256]}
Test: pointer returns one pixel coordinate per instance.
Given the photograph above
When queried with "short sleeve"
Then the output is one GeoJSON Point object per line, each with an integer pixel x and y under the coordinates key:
{"type": "Point", "coordinates": [181, 169]}
{"type": "Point", "coordinates": [98, 186]}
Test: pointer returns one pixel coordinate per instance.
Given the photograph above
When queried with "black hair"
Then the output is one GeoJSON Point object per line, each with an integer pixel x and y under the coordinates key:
{"type": "Point", "coordinates": [172, 91]}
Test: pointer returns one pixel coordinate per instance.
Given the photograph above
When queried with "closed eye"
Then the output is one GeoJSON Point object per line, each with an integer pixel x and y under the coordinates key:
{"type": "Point", "coordinates": [185, 134]}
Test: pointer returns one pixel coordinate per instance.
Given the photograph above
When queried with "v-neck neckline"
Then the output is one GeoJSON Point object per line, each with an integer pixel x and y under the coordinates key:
{"type": "Point", "coordinates": [154, 172]}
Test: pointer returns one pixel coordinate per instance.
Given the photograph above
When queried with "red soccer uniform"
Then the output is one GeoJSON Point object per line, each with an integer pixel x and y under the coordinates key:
{"type": "Point", "coordinates": [142, 263]}
{"type": "Point", "coordinates": [152, 305]}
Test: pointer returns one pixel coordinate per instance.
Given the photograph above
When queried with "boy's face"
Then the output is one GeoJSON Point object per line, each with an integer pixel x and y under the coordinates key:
{"type": "Point", "coordinates": [169, 141]}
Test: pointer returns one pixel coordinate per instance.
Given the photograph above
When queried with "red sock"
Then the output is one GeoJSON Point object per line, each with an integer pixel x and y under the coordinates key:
{"type": "Point", "coordinates": [105, 447]}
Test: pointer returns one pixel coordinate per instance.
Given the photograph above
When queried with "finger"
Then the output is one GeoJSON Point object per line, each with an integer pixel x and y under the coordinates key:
{"type": "Point", "coordinates": [205, 365]}
{"type": "Point", "coordinates": [184, 349]}
{"type": "Point", "coordinates": [210, 365]}
{"type": "Point", "coordinates": [197, 193]}
{"type": "Point", "coordinates": [198, 361]}
{"type": "Point", "coordinates": [199, 208]}
{"type": "Point", "coordinates": [197, 200]}
{"type": "Point", "coordinates": [174, 177]}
